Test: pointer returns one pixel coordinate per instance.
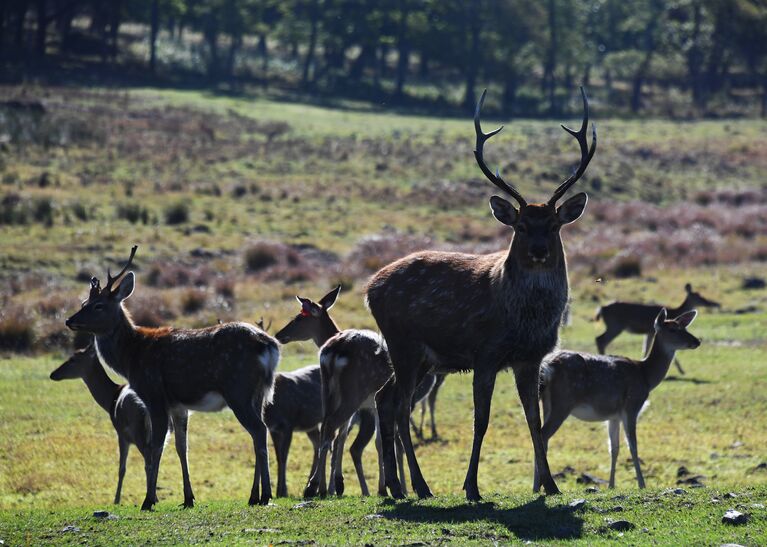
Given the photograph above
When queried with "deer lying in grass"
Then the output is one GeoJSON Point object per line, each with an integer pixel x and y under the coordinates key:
{"type": "Point", "coordinates": [313, 322]}
{"type": "Point", "coordinates": [128, 413]}
{"type": "Point", "coordinates": [598, 388]}
{"type": "Point", "coordinates": [448, 312]}
{"type": "Point", "coordinates": [639, 318]}
{"type": "Point", "coordinates": [177, 370]}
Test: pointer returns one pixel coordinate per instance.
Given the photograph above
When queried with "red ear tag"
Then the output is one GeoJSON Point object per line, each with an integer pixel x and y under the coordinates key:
{"type": "Point", "coordinates": [305, 312]}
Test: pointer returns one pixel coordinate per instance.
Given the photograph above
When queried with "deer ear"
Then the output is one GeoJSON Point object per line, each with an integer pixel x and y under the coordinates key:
{"type": "Point", "coordinates": [686, 319]}
{"type": "Point", "coordinates": [504, 211]}
{"type": "Point", "coordinates": [329, 299]}
{"type": "Point", "coordinates": [662, 315]}
{"type": "Point", "coordinates": [572, 209]}
{"type": "Point", "coordinates": [307, 306]}
{"type": "Point", "coordinates": [688, 288]}
{"type": "Point", "coordinates": [126, 286]}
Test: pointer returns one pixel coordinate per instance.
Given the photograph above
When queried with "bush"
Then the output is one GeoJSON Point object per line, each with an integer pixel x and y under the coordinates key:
{"type": "Point", "coordinates": [133, 213]}
{"type": "Point", "coordinates": [16, 330]}
{"type": "Point", "coordinates": [192, 301]}
{"type": "Point", "coordinates": [626, 266]}
{"type": "Point", "coordinates": [80, 211]}
{"type": "Point", "coordinates": [177, 213]}
{"type": "Point", "coordinates": [261, 255]}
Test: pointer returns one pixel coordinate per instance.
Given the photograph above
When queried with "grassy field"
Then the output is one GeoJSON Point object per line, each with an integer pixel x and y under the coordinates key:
{"type": "Point", "coordinates": [238, 204]}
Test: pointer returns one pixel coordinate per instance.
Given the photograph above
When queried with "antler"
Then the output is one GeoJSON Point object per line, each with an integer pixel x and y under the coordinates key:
{"type": "Point", "coordinates": [481, 138]}
{"type": "Point", "coordinates": [586, 152]}
{"type": "Point", "coordinates": [110, 279]}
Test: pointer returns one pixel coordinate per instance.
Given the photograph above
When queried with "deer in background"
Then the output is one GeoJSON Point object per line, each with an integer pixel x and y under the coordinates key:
{"type": "Point", "coordinates": [128, 413]}
{"type": "Point", "coordinates": [174, 371]}
{"type": "Point", "coordinates": [431, 400]}
{"type": "Point", "coordinates": [313, 322]}
{"type": "Point", "coordinates": [640, 318]}
{"type": "Point", "coordinates": [449, 312]}
{"type": "Point", "coordinates": [598, 388]}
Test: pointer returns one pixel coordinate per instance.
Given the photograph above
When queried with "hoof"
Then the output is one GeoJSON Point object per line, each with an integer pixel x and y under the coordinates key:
{"type": "Point", "coordinates": [551, 490]}
{"type": "Point", "coordinates": [188, 504]}
{"type": "Point", "coordinates": [147, 505]}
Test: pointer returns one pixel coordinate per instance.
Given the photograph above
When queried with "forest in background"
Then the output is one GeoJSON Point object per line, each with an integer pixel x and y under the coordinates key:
{"type": "Point", "coordinates": [679, 59]}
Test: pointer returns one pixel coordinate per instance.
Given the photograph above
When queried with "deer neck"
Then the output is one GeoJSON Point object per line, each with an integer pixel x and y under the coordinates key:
{"type": "Point", "coordinates": [685, 306]}
{"type": "Point", "coordinates": [657, 362]}
{"type": "Point", "coordinates": [116, 349]}
{"type": "Point", "coordinates": [325, 332]}
{"type": "Point", "coordinates": [515, 276]}
{"type": "Point", "coordinates": [103, 390]}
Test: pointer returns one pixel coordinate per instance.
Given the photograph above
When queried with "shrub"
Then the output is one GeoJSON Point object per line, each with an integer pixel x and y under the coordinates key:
{"type": "Point", "coordinates": [133, 213]}
{"type": "Point", "coordinates": [192, 301]}
{"type": "Point", "coordinates": [42, 211]}
{"type": "Point", "coordinates": [80, 211]}
{"type": "Point", "coordinates": [177, 213]}
{"type": "Point", "coordinates": [225, 287]}
{"type": "Point", "coordinates": [261, 255]}
{"type": "Point", "coordinates": [16, 330]}
{"type": "Point", "coordinates": [626, 266]}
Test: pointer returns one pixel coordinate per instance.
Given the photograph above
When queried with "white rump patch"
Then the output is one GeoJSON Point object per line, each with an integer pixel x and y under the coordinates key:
{"type": "Point", "coordinates": [210, 402]}
{"type": "Point", "coordinates": [269, 360]}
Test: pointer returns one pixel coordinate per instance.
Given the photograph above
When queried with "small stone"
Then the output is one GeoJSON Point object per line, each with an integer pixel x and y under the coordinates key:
{"type": "Point", "coordinates": [101, 514]}
{"type": "Point", "coordinates": [682, 472]}
{"type": "Point", "coordinates": [715, 500]}
{"type": "Point", "coordinates": [305, 505]}
{"type": "Point", "coordinates": [618, 509]}
{"type": "Point", "coordinates": [730, 495]}
{"type": "Point", "coordinates": [645, 530]}
{"type": "Point", "coordinates": [578, 504]}
{"type": "Point", "coordinates": [619, 497]}
{"type": "Point", "coordinates": [585, 478]}
{"type": "Point", "coordinates": [731, 545]}
{"type": "Point", "coordinates": [374, 516]}
{"type": "Point", "coordinates": [736, 444]}
{"type": "Point", "coordinates": [70, 528]}
{"type": "Point", "coordinates": [734, 517]}
{"type": "Point", "coordinates": [679, 491]}
{"type": "Point", "coordinates": [757, 506]}
{"type": "Point", "coordinates": [621, 526]}
{"type": "Point", "coordinates": [592, 490]}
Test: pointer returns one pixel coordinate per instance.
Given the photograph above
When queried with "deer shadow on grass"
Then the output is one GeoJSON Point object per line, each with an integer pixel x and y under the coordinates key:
{"type": "Point", "coordinates": [530, 521]}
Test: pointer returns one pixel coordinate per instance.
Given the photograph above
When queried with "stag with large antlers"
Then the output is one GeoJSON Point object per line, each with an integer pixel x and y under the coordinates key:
{"type": "Point", "coordinates": [451, 312]}
{"type": "Point", "coordinates": [177, 370]}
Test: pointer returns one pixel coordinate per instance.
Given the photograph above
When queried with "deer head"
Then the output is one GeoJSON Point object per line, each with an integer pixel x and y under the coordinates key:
{"type": "Point", "coordinates": [537, 243]}
{"type": "Point", "coordinates": [77, 366]}
{"type": "Point", "coordinates": [102, 311]}
{"type": "Point", "coordinates": [672, 333]}
{"type": "Point", "coordinates": [311, 321]}
{"type": "Point", "coordinates": [696, 299]}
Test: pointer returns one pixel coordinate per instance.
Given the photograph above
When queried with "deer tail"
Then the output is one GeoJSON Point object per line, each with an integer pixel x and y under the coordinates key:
{"type": "Point", "coordinates": [331, 365]}
{"type": "Point", "coordinates": [598, 315]}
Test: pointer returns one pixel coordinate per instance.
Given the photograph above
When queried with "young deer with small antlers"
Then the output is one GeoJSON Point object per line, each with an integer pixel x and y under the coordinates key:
{"type": "Point", "coordinates": [177, 370]}
{"type": "Point", "coordinates": [451, 312]}
{"type": "Point", "coordinates": [639, 318]}
{"type": "Point", "coordinates": [128, 413]}
{"type": "Point", "coordinates": [598, 388]}
{"type": "Point", "coordinates": [313, 322]}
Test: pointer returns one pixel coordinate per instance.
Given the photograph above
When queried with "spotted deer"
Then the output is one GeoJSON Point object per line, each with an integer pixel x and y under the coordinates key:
{"type": "Point", "coordinates": [128, 414]}
{"type": "Point", "coordinates": [313, 322]}
{"type": "Point", "coordinates": [449, 312]}
{"type": "Point", "coordinates": [639, 318]}
{"type": "Point", "coordinates": [598, 388]}
{"type": "Point", "coordinates": [177, 370]}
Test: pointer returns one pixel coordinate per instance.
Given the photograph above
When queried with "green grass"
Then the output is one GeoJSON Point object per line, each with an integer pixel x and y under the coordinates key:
{"type": "Point", "coordinates": [336, 176]}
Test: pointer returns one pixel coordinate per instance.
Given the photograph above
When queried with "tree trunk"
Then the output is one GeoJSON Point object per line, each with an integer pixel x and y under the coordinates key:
{"type": "Point", "coordinates": [42, 29]}
{"type": "Point", "coordinates": [649, 49]}
{"type": "Point", "coordinates": [114, 28]}
{"type": "Point", "coordinates": [510, 88]}
{"type": "Point", "coordinates": [21, 15]}
{"type": "Point", "coordinates": [309, 61]}
{"type": "Point", "coordinates": [423, 67]}
{"type": "Point", "coordinates": [469, 98]}
{"type": "Point", "coordinates": [550, 66]}
{"type": "Point", "coordinates": [211, 36]}
{"type": "Point", "coordinates": [357, 67]}
{"type": "Point", "coordinates": [263, 51]}
{"type": "Point", "coordinates": [155, 27]}
{"type": "Point", "coordinates": [403, 53]}
{"type": "Point", "coordinates": [695, 59]}
{"type": "Point", "coordinates": [234, 44]}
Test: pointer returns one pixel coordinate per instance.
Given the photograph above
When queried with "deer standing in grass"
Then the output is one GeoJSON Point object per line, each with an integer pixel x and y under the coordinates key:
{"type": "Point", "coordinates": [598, 388]}
{"type": "Point", "coordinates": [313, 322]}
{"type": "Point", "coordinates": [639, 318]}
{"type": "Point", "coordinates": [128, 413]}
{"type": "Point", "coordinates": [451, 312]}
{"type": "Point", "coordinates": [177, 370]}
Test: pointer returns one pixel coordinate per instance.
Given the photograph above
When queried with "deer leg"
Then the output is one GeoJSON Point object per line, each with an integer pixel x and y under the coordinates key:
{"type": "Point", "coordinates": [245, 410]}
{"type": "Point", "coordinates": [314, 437]}
{"type": "Point", "coordinates": [403, 397]}
{"type": "Point", "coordinates": [527, 377]}
{"type": "Point", "coordinates": [336, 459]}
{"type": "Point", "coordinates": [154, 454]}
{"type": "Point", "coordinates": [483, 385]}
{"type": "Point", "coordinates": [433, 404]}
{"type": "Point", "coordinates": [180, 427]}
{"type": "Point", "coordinates": [379, 451]}
{"type": "Point", "coordinates": [606, 337]}
{"type": "Point", "coordinates": [400, 450]}
{"type": "Point", "coordinates": [281, 441]}
{"type": "Point", "coordinates": [418, 431]}
{"type": "Point", "coordinates": [124, 447]}
{"type": "Point", "coordinates": [366, 431]}
{"type": "Point", "coordinates": [678, 366]}
{"type": "Point", "coordinates": [613, 431]}
{"type": "Point", "coordinates": [318, 481]}
{"type": "Point", "coordinates": [553, 418]}
{"type": "Point", "coordinates": [630, 425]}
{"type": "Point", "coordinates": [386, 418]}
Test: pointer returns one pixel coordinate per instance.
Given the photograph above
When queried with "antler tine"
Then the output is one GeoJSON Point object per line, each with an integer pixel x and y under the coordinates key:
{"type": "Point", "coordinates": [586, 152]}
{"type": "Point", "coordinates": [481, 138]}
{"type": "Point", "coordinates": [110, 279]}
